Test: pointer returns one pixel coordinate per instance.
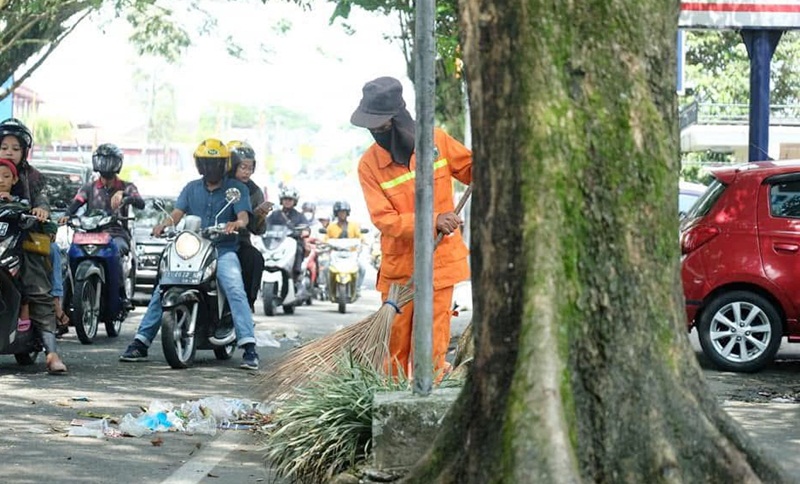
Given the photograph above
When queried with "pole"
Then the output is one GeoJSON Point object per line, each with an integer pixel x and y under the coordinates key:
{"type": "Point", "coordinates": [425, 84]}
{"type": "Point", "coordinates": [760, 47]}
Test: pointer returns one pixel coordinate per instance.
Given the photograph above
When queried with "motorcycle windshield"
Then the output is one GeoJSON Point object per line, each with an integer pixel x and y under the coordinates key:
{"type": "Point", "coordinates": [274, 236]}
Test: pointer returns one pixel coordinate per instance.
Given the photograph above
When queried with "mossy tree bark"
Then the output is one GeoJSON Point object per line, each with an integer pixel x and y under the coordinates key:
{"type": "Point", "coordinates": [582, 369]}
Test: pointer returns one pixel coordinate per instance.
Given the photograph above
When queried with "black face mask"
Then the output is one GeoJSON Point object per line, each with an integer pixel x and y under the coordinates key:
{"type": "Point", "coordinates": [107, 175]}
{"type": "Point", "coordinates": [384, 139]}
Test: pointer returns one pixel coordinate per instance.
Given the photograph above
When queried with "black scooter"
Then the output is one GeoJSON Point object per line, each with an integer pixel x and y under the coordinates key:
{"type": "Point", "coordinates": [16, 338]}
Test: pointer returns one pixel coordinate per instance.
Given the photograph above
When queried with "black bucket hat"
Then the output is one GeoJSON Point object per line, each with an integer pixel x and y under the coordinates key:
{"type": "Point", "coordinates": [382, 100]}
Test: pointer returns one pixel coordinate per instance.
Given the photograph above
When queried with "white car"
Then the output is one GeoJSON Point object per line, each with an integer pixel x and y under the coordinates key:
{"type": "Point", "coordinates": [688, 193]}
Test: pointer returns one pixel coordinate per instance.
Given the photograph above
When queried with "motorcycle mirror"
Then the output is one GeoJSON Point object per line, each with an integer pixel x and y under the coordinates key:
{"type": "Point", "coordinates": [322, 230]}
{"type": "Point", "coordinates": [364, 231]}
{"type": "Point", "coordinates": [233, 195]}
{"type": "Point", "coordinates": [159, 204]}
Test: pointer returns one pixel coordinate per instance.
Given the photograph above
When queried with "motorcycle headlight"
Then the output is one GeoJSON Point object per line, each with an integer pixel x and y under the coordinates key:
{"type": "Point", "coordinates": [187, 245]}
{"type": "Point", "coordinates": [89, 223]}
{"type": "Point", "coordinates": [210, 270]}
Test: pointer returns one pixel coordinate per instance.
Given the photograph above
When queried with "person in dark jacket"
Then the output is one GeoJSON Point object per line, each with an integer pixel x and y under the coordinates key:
{"type": "Point", "coordinates": [111, 195]}
{"type": "Point", "coordinates": [243, 164]}
{"type": "Point", "coordinates": [289, 216]}
{"type": "Point", "coordinates": [16, 141]}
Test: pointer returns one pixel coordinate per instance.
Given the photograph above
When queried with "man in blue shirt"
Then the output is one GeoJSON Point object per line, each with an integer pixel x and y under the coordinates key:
{"type": "Point", "coordinates": [205, 198]}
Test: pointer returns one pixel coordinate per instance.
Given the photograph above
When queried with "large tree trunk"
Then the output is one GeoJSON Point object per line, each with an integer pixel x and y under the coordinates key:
{"type": "Point", "coordinates": [582, 369]}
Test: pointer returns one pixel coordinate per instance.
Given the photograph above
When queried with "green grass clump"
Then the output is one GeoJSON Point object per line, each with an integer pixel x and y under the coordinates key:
{"type": "Point", "coordinates": [325, 427]}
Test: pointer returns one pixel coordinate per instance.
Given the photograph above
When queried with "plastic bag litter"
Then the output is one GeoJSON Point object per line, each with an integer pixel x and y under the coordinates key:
{"type": "Point", "coordinates": [265, 338]}
{"type": "Point", "coordinates": [131, 425]}
{"type": "Point", "coordinates": [205, 426]}
{"type": "Point", "coordinates": [222, 409]}
{"type": "Point", "coordinates": [146, 423]}
{"type": "Point", "coordinates": [95, 428]}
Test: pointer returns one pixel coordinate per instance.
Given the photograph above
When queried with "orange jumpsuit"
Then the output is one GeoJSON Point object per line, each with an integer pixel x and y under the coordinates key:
{"type": "Point", "coordinates": [389, 194]}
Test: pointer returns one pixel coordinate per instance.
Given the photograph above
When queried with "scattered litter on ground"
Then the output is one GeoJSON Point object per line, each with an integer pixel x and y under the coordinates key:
{"type": "Point", "coordinates": [265, 338]}
{"type": "Point", "coordinates": [202, 416]}
{"type": "Point", "coordinates": [80, 398]}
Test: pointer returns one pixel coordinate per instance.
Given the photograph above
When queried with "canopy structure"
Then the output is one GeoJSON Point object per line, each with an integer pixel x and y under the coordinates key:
{"type": "Point", "coordinates": [762, 24]}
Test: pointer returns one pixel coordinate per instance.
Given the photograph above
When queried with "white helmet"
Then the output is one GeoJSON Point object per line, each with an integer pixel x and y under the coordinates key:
{"type": "Point", "coordinates": [289, 192]}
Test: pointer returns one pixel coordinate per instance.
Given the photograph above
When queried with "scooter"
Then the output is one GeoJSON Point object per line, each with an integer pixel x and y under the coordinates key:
{"type": "Point", "coordinates": [196, 314]}
{"type": "Point", "coordinates": [277, 284]}
{"type": "Point", "coordinates": [16, 337]}
{"type": "Point", "coordinates": [343, 272]}
{"type": "Point", "coordinates": [92, 294]}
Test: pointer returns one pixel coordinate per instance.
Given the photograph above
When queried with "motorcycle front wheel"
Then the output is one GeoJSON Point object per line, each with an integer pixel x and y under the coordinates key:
{"type": "Point", "coordinates": [341, 297]}
{"type": "Point", "coordinates": [268, 298]}
{"type": "Point", "coordinates": [87, 308]}
{"type": "Point", "coordinates": [178, 345]}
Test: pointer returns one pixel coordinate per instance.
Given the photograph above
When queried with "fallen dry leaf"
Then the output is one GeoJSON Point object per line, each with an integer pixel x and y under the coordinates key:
{"type": "Point", "coordinates": [157, 442]}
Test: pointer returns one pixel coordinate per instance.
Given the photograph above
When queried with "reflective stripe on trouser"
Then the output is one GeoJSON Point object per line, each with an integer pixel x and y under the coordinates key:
{"type": "Point", "coordinates": [401, 342]}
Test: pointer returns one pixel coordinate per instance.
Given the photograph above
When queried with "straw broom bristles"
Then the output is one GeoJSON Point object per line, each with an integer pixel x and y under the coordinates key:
{"type": "Point", "coordinates": [367, 340]}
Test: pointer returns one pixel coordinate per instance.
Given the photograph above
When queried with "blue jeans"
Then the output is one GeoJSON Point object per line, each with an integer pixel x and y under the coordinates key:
{"type": "Point", "coordinates": [56, 278]}
{"type": "Point", "coordinates": [229, 278]}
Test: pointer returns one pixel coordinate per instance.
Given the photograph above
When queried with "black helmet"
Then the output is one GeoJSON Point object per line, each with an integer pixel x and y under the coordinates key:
{"type": "Point", "coordinates": [339, 206]}
{"type": "Point", "coordinates": [14, 127]}
{"type": "Point", "coordinates": [240, 151]}
{"type": "Point", "coordinates": [107, 158]}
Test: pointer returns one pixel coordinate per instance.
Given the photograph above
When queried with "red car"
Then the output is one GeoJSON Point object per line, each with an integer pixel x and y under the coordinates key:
{"type": "Point", "coordinates": [740, 263]}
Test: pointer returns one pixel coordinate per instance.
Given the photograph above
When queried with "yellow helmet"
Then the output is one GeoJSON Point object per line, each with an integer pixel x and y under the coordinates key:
{"type": "Point", "coordinates": [212, 159]}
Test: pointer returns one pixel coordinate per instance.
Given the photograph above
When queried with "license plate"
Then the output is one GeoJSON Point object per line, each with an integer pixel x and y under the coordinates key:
{"type": "Point", "coordinates": [96, 238]}
{"type": "Point", "coordinates": [180, 277]}
{"type": "Point", "coordinates": [3, 228]}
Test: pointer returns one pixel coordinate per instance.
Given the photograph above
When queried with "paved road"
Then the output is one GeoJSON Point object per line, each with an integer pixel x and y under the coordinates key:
{"type": "Point", "coordinates": [36, 409]}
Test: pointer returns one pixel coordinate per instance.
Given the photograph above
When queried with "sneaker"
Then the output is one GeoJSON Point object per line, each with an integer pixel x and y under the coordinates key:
{"type": "Point", "coordinates": [136, 351]}
{"type": "Point", "coordinates": [249, 360]}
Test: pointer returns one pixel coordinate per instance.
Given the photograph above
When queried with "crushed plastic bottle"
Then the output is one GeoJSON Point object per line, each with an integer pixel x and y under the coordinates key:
{"type": "Point", "coordinates": [96, 428]}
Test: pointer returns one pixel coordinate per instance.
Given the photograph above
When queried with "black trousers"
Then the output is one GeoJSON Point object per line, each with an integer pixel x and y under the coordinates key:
{"type": "Point", "coordinates": [252, 266]}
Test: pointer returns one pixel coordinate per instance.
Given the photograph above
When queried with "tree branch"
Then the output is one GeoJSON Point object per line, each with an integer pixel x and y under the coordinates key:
{"type": "Point", "coordinates": [5, 92]}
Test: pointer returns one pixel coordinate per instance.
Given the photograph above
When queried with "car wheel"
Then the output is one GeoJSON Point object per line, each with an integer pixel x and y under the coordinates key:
{"type": "Point", "coordinates": [740, 331]}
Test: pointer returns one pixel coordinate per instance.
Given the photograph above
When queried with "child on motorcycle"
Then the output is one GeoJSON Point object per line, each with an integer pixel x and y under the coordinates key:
{"type": "Point", "coordinates": [109, 194]}
{"type": "Point", "coordinates": [205, 197]}
{"type": "Point", "coordinates": [16, 141]}
{"type": "Point", "coordinates": [8, 178]}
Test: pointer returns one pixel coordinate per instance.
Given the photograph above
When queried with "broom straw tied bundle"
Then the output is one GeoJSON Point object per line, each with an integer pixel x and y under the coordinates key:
{"type": "Point", "coordinates": [367, 340]}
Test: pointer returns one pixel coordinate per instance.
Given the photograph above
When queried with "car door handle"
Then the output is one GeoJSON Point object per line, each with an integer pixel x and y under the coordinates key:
{"type": "Point", "coordinates": [783, 247]}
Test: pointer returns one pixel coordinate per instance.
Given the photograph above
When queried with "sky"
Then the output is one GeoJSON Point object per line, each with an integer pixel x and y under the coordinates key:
{"type": "Point", "coordinates": [314, 68]}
